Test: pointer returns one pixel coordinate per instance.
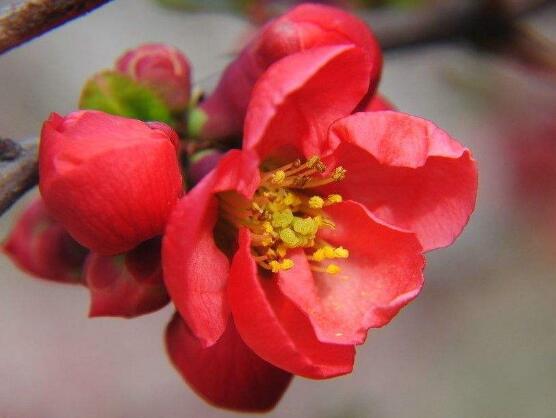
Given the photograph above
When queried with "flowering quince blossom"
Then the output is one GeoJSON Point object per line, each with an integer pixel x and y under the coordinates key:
{"type": "Point", "coordinates": [110, 181]}
{"type": "Point", "coordinates": [108, 185]}
{"type": "Point", "coordinates": [310, 235]}
{"type": "Point", "coordinates": [303, 28]}
{"type": "Point", "coordinates": [286, 252]}
{"type": "Point", "coordinates": [161, 67]}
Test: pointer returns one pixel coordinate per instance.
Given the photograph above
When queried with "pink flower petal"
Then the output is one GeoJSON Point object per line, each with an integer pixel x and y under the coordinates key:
{"type": "Point", "coordinates": [407, 172]}
{"type": "Point", "coordinates": [297, 98]}
{"type": "Point", "coordinates": [382, 274]}
{"type": "Point", "coordinates": [195, 269]}
{"type": "Point", "coordinates": [274, 328]}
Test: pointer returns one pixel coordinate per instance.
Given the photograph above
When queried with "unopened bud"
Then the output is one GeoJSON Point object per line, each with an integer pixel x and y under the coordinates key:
{"type": "Point", "coordinates": [161, 67]}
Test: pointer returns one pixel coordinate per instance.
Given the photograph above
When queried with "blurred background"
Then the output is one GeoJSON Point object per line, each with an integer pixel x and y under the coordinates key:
{"type": "Point", "coordinates": [480, 340]}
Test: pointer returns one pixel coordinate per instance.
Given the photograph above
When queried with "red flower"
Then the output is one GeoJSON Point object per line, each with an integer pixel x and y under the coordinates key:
{"type": "Point", "coordinates": [161, 67]}
{"type": "Point", "coordinates": [40, 246]}
{"type": "Point", "coordinates": [303, 28]}
{"type": "Point", "coordinates": [314, 232]}
{"type": "Point", "coordinates": [126, 285]}
{"type": "Point", "coordinates": [110, 181]}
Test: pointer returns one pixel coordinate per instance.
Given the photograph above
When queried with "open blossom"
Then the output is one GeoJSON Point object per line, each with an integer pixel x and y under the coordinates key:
{"type": "Point", "coordinates": [161, 67]}
{"type": "Point", "coordinates": [286, 252]}
{"type": "Point", "coordinates": [110, 181]}
{"type": "Point", "coordinates": [314, 232]}
{"type": "Point", "coordinates": [39, 245]}
{"type": "Point", "coordinates": [303, 28]}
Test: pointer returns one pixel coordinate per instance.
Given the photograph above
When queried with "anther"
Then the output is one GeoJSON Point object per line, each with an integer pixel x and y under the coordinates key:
{"type": "Point", "coordinates": [333, 269]}
{"type": "Point", "coordinates": [316, 202]}
{"type": "Point", "coordinates": [341, 252]}
{"type": "Point", "coordinates": [278, 176]}
{"type": "Point", "coordinates": [288, 237]}
{"type": "Point", "coordinates": [304, 226]}
{"type": "Point", "coordinates": [282, 219]}
{"type": "Point", "coordinates": [312, 161]}
{"type": "Point", "coordinates": [334, 198]}
{"type": "Point", "coordinates": [339, 173]}
{"type": "Point", "coordinates": [320, 167]}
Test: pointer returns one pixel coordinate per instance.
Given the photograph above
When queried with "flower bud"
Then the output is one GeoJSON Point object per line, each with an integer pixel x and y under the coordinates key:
{"type": "Point", "coordinates": [40, 246]}
{"type": "Point", "coordinates": [304, 27]}
{"type": "Point", "coordinates": [161, 67]}
{"type": "Point", "coordinates": [128, 284]}
{"type": "Point", "coordinates": [110, 181]}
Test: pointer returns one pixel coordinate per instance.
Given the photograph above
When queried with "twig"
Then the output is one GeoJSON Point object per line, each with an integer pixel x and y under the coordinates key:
{"type": "Point", "coordinates": [26, 20]}
{"type": "Point", "coordinates": [447, 21]}
{"type": "Point", "coordinates": [18, 169]}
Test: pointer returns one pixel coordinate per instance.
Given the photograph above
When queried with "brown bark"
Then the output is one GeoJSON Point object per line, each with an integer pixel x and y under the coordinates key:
{"type": "Point", "coordinates": [25, 20]}
{"type": "Point", "coordinates": [18, 169]}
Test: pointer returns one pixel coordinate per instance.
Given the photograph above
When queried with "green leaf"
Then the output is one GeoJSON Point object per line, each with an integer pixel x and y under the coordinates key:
{"type": "Point", "coordinates": [118, 94]}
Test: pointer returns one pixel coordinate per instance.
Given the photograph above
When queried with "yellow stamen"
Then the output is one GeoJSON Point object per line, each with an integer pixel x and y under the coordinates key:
{"type": "Point", "coordinates": [328, 251]}
{"type": "Point", "coordinates": [291, 200]}
{"type": "Point", "coordinates": [333, 269]}
{"type": "Point", "coordinates": [282, 215]}
{"type": "Point", "coordinates": [312, 161]}
{"type": "Point", "coordinates": [334, 198]}
{"type": "Point", "coordinates": [341, 252]}
{"type": "Point", "coordinates": [289, 238]}
{"type": "Point", "coordinates": [278, 176]}
{"type": "Point", "coordinates": [318, 255]}
{"type": "Point", "coordinates": [339, 173]}
{"type": "Point", "coordinates": [316, 202]}
{"type": "Point", "coordinates": [268, 227]}
{"type": "Point", "coordinates": [305, 226]}
{"type": "Point", "coordinates": [277, 266]}
{"type": "Point", "coordinates": [286, 264]}
{"type": "Point", "coordinates": [282, 219]}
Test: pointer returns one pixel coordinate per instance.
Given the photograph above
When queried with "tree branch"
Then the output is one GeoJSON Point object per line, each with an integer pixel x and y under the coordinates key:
{"type": "Point", "coordinates": [448, 20]}
{"type": "Point", "coordinates": [28, 19]}
{"type": "Point", "coordinates": [18, 169]}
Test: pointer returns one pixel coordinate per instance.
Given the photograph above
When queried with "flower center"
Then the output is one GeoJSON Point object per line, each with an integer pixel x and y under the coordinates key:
{"type": "Point", "coordinates": [283, 215]}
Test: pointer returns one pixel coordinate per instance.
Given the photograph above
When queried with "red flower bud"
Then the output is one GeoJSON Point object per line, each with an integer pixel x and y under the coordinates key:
{"type": "Point", "coordinates": [126, 285]}
{"type": "Point", "coordinates": [40, 245]}
{"type": "Point", "coordinates": [110, 181]}
{"type": "Point", "coordinates": [305, 27]}
{"type": "Point", "coordinates": [161, 67]}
